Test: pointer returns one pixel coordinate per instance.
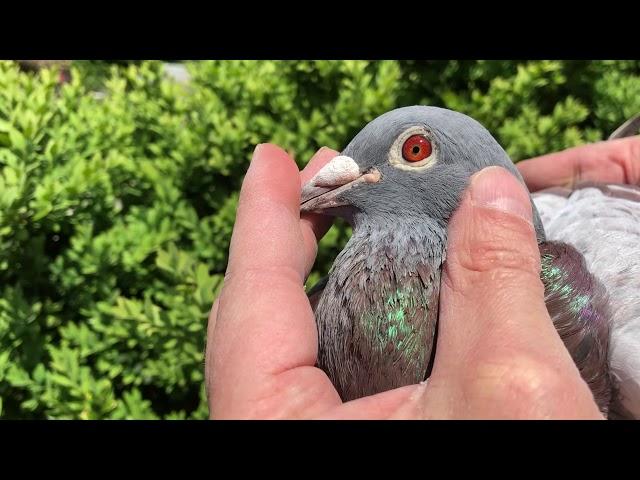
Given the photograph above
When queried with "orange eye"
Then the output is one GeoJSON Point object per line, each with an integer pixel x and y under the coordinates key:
{"type": "Point", "coordinates": [416, 148]}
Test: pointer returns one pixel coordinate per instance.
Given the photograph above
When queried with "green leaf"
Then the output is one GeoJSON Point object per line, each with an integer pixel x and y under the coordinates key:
{"type": "Point", "coordinates": [17, 140]}
{"type": "Point", "coordinates": [17, 377]}
{"type": "Point", "coordinates": [30, 404]}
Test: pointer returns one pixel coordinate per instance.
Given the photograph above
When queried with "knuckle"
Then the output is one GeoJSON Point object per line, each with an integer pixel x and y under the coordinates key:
{"type": "Point", "coordinates": [634, 161]}
{"type": "Point", "coordinates": [263, 276]}
{"type": "Point", "coordinates": [498, 242]}
{"type": "Point", "coordinates": [496, 254]}
{"type": "Point", "coordinates": [501, 260]}
{"type": "Point", "coordinates": [626, 157]}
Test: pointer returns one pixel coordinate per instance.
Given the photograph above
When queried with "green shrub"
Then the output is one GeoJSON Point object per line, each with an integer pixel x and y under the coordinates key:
{"type": "Point", "coordinates": [116, 209]}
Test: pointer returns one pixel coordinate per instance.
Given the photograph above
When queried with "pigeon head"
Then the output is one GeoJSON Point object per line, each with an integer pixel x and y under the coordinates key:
{"type": "Point", "coordinates": [413, 162]}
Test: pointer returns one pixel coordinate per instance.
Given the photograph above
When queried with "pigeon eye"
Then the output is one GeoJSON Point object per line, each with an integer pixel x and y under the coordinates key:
{"type": "Point", "coordinates": [413, 150]}
{"type": "Point", "coordinates": [416, 148]}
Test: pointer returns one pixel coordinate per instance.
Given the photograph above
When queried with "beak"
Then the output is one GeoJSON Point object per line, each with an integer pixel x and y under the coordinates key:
{"type": "Point", "coordinates": [337, 176]}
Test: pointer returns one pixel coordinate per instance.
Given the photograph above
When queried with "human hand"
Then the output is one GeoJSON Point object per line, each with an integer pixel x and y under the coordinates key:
{"type": "Point", "coordinates": [263, 341]}
{"type": "Point", "coordinates": [614, 161]}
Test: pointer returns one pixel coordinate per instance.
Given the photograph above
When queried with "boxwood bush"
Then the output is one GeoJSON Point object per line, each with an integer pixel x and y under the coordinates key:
{"type": "Point", "coordinates": [118, 194]}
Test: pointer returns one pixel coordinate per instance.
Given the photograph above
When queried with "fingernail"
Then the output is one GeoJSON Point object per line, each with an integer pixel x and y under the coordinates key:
{"type": "Point", "coordinates": [495, 187]}
{"type": "Point", "coordinates": [270, 151]}
{"type": "Point", "coordinates": [256, 151]}
{"type": "Point", "coordinates": [324, 149]}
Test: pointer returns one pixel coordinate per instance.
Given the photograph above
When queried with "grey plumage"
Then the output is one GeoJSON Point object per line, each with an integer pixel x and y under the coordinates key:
{"type": "Point", "coordinates": [377, 310]}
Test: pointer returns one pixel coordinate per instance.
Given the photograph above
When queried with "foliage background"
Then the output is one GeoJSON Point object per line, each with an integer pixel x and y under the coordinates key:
{"type": "Point", "coordinates": [116, 207]}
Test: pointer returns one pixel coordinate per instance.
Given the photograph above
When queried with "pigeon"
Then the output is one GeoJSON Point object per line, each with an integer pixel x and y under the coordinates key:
{"type": "Point", "coordinates": [397, 183]}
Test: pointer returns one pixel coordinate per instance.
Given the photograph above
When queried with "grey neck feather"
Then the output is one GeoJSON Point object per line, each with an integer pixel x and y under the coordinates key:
{"type": "Point", "coordinates": [405, 241]}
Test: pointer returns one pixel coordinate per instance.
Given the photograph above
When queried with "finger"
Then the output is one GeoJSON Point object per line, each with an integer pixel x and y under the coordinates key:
{"type": "Point", "coordinates": [314, 226]}
{"type": "Point", "coordinates": [264, 324]}
{"type": "Point", "coordinates": [266, 232]}
{"type": "Point", "coordinates": [494, 325]}
{"type": "Point", "coordinates": [615, 161]}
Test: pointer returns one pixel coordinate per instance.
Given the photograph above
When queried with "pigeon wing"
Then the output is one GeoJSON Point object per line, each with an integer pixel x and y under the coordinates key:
{"type": "Point", "coordinates": [602, 221]}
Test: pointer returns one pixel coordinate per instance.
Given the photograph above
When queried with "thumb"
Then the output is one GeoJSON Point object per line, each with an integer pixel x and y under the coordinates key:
{"type": "Point", "coordinates": [495, 333]}
{"type": "Point", "coordinates": [492, 273]}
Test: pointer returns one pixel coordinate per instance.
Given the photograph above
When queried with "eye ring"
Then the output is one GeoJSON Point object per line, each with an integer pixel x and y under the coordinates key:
{"type": "Point", "coordinates": [401, 153]}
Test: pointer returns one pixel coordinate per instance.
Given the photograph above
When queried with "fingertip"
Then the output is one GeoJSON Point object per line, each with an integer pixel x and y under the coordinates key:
{"type": "Point", "coordinates": [271, 158]}
{"type": "Point", "coordinates": [272, 177]}
{"type": "Point", "coordinates": [325, 151]}
{"type": "Point", "coordinates": [268, 150]}
{"type": "Point", "coordinates": [266, 230]}
{"type": "Point", "coordinates": [496, 188]}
